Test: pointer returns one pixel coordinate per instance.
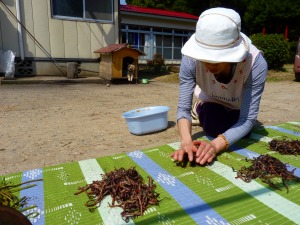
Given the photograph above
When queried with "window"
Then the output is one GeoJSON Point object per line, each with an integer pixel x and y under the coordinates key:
{"type": "Point", "coordinates": [167, 42]}
{"type": "Point", "coordinates": [164, 46]}
{"type": "Point", "coordinates": [89, 10]}
{"type": "Point", "coordinates": [178, 43]}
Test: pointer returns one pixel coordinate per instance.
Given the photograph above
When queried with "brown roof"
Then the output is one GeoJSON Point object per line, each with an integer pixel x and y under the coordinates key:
{"type": "Point", "coordinates": [116, 47]}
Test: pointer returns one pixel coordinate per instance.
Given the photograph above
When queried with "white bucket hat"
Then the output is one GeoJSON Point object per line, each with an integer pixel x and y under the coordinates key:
{"type": "Point", "coordinates": [218, 37]}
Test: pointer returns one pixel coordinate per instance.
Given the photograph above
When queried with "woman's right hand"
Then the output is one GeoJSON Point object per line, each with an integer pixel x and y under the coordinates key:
{"type": "Point", "coordinates": [186, 148]}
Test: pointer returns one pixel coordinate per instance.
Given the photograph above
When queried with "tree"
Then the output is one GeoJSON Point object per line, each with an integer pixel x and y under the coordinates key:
{"type": "Point", "coordinates": [151, 3]}
{"type": "Point", "coordinates": [189, 6]}
{"type": "Point", "coordinates": [193, 7]}
{"type": "Point", "coordinates": [274, 15]}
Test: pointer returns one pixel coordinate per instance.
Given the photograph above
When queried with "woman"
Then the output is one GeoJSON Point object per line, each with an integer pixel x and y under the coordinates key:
{"type": "Point", "coordinates": [227, 74]}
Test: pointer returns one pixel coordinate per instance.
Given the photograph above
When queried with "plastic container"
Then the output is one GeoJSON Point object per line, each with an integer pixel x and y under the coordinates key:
{"type": "Point", "coordinates": [145, 81]}
{"type": "Point", "coordinates": [147, 120]}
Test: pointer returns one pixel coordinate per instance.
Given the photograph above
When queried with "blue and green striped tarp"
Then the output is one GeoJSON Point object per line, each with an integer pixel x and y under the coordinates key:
{"type": "Point", "coordinates": [188, 195]}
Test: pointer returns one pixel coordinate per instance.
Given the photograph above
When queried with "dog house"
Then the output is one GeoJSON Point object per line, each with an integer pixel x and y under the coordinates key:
{"type": "Point", "coordinates": [115, 59]}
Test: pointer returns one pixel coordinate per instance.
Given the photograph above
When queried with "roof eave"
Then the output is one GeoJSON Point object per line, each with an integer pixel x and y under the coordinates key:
{"type": "Point", "coordinates": [157, 16]}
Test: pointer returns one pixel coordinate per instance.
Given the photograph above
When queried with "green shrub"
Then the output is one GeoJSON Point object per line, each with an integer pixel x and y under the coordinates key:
{"type": "Point", "coordinates": [157, 64]}
{"type": "Point", "coordinates": [274, 47]}
{"type": "Point", "coordinates": [157, 59]}
{"type": "Point", "coordinates": [174, 68]}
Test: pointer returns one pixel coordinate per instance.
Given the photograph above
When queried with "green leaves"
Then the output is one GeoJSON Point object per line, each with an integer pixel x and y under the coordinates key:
{"type": "Point", "coordinates": [9, 196]}
{"type": "Point", "coordinates": [274, 47]}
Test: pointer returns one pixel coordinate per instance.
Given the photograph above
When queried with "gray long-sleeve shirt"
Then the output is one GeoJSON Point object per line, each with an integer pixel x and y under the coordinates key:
{"type": "Point", "coordinates": [251, 96]}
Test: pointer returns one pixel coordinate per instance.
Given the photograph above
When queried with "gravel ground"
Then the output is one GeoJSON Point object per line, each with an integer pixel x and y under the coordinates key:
{"type": "Point", "coordinates": [47, 124]}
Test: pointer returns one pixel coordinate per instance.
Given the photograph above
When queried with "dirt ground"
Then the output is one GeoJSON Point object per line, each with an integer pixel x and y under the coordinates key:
{"type": "Point", "coordinates": [47, 124]}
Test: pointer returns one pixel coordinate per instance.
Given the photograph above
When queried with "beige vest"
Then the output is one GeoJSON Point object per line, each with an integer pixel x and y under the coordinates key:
{"type": "Point", "coordinates": [208, 89]}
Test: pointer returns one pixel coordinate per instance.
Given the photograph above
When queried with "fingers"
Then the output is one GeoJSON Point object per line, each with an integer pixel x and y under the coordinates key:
{"type": "Point", "coordinates": [205, 153]}
{"type": "Point", "coordinates": [200, 151]}
{"type": "Point", "coordinates": [201, 145]}
{"type": "Point", "coordinates": [186, 148]}
{"type": "Point", "coordinates": [178, 155]}
{"type": "Point", "coordinates": [191, 152]}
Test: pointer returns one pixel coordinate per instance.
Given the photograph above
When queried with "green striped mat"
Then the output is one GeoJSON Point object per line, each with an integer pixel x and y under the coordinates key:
{"type": "Point", "coordinates": [190, 195]}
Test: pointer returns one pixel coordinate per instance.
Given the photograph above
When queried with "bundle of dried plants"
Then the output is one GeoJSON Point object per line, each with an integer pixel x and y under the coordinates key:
{"type": "Point", "coordinates": [268, 169]}
{"type": "Point", "coordinates": [127, 190]}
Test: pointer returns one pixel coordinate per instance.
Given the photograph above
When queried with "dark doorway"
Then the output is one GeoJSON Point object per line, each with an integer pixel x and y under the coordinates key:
{"type": "Point", "coordinates": [126, 62]}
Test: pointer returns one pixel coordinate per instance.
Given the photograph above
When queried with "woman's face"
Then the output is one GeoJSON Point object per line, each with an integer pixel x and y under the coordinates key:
{"type": "Point", "coordinates": [217, 68]}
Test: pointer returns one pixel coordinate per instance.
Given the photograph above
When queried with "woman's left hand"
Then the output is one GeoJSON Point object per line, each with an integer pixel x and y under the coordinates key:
{"type": "Point", "coordinates": [205, 152]}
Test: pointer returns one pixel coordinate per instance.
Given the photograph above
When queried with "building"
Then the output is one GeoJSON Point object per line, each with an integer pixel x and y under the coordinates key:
{"type": "Point", "coordinates": [47, 34]}
{"type": "Point", "coordinates": [156, 31]}
{"type": "Point", "coordinates": [51, 33]}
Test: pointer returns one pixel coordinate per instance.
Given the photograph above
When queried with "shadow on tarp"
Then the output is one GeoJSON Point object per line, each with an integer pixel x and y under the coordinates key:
{"type": "Point", "coordinates": [253, 138]}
